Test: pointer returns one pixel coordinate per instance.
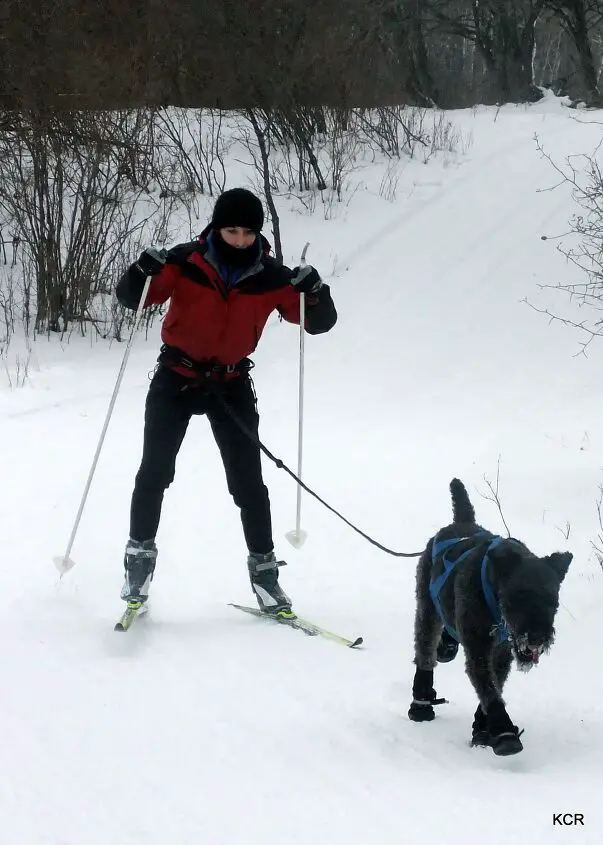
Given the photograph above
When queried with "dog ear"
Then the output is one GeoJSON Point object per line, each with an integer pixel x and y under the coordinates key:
{"type": "Point", "coordinates": [560, 562]}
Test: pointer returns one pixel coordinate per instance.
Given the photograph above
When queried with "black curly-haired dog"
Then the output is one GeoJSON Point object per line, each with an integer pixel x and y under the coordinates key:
{"type": "Point", "coordinates": [496, 598]}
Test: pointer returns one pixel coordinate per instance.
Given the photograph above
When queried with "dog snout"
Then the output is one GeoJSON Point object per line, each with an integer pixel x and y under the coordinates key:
{"type": "Point", "coordinates": [536, 640]}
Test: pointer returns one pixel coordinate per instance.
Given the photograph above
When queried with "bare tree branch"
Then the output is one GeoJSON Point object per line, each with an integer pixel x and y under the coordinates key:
{"type": "Point", "coordinates": [494, 495]}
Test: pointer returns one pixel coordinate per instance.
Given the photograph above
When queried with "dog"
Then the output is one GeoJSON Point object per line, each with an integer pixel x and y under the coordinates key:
{"type": "Point", "coordinates": [498, 600]}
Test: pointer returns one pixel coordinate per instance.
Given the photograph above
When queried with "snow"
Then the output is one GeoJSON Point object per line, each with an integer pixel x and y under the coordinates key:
{"type": "Point", "coordinates": [204, 725]}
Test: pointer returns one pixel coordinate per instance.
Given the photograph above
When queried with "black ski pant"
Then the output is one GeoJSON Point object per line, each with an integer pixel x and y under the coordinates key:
{"type": "Point", "coordinates": [171, 402]}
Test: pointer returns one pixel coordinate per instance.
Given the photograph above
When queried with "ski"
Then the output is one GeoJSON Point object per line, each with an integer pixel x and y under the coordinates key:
{"type": "Point", "coordinates": [132, 611]}
{"type": "Point", "coordinates": [292, 620]}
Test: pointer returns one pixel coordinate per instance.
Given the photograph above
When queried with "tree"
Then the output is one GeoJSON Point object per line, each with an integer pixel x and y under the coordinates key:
{"type": "Point", "coordinates": [579, 18]}
{"type": "Point", "coordinates": [503, 32]}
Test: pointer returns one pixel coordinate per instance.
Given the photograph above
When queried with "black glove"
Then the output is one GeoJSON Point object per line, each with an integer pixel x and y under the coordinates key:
{"type": "Point", "coordinates": [306, 279]}
{"type": "Point", "coordinates": [151, 261]}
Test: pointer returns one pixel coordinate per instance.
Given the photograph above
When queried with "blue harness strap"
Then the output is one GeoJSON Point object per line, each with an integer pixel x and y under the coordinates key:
{"type": "Point", "coordinates": [435, 587]}
{"type": "Point", "coordinates": [502, 633]}
{"type": "Point", "coordinates": [442, 548]}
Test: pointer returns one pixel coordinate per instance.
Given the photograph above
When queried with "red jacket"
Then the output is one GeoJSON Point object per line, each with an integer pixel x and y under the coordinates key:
{"type": "Point", "coordinates": [209, 322]}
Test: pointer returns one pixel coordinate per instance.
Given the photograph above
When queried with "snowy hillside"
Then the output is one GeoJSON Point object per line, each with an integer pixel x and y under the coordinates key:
{"type": "Point", "coordinates": [203, 725]}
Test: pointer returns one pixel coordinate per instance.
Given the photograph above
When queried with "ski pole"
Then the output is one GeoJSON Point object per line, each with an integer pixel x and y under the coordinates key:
{"type": "Point", "coordinates": [297, 537]}
{"type": "Point", "coordinates": [64, 563]}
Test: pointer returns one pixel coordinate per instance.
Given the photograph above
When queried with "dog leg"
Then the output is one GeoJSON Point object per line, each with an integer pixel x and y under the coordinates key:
{"type": "Point", "coordinates": [480, 670]}
{"type": "Point", "coordinates": [503, 733]}
{"type": "Point", "coordinates": [487, 672]}
{"type": "Point", "coordinates": [502, 659]}
{"type": "Point", "coordinates": [428, 628]}
{"type": "Point", "coordinates": [428, 625]}
{"type": "Point", "coordinates": [501, 664]}
{"type": "Point", "coordinates": [477, 667]}
{"type": "Point", "coordinates": [423, 697]}
{"type": "Point", "coordinates": [480, 736]}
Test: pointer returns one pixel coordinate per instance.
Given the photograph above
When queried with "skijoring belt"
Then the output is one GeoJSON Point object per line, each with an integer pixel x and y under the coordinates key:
{"type": "Point", "coordinates": [171, 356]}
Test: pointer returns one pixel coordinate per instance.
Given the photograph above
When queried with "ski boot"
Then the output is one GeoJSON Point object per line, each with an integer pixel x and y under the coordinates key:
{"type": "Point", "coordinates": [139, 563]}
{"type": "Point", "coordinates": [263, 573]}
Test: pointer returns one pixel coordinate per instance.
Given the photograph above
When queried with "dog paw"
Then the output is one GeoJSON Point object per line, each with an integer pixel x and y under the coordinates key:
{"type": "Point", "coordinates": [507, 743]}
{"type": "Point", "coordinates": [420, 711]}
{"type": "Point", "coordinates": [447, 649]}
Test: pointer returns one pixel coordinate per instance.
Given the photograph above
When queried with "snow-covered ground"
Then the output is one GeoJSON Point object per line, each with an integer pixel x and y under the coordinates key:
{"type": "Point", "coordinates": [202, 725]}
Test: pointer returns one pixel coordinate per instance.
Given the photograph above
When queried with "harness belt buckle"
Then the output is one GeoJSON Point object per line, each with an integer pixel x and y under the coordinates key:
{"type": "Point", "coordinates": [230, 368]}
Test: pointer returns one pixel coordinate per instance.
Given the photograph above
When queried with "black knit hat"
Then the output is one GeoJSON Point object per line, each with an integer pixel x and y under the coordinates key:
{"type": "Point", "coordinates": [238, 207]}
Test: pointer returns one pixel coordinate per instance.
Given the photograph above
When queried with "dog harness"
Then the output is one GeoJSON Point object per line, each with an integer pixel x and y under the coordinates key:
{"type": "Point", "coordinates": [443, 548]}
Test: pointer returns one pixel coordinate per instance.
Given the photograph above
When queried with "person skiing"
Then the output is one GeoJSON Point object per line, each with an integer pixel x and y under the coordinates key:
{"type": "Point", "coordinates": [222, 288]}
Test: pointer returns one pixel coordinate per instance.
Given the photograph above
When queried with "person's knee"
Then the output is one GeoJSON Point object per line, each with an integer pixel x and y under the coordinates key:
{"type": "Point", "coordinates": [154, 477]}
{"type": "Point", "coordinates": [251, 496]}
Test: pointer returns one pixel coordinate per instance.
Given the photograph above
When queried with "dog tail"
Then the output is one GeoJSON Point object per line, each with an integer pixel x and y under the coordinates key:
{"type": "Point", "coordinates": [462, 509]}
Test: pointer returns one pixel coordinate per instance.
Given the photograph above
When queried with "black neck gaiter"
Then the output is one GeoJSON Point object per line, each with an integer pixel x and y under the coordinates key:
{"type": "Point", "coordinates": [234, 256]}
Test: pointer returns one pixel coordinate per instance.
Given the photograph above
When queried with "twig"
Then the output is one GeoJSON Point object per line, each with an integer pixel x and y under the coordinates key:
{"type": "Point", "coordinates": [567, 322]}
{"type": "Point", "coordinates": [565, 530]}
{"type": "Point", "coordinates": [598, 547]}
{"type": "Point", "coordinates": [494, 497]}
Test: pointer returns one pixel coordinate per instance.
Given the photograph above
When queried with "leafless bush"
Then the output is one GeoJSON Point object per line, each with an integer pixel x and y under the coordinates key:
{"type": "Point", "coordinates": [300, 130]}
{"type": "Point", "coordinates": [598, 543]}
{"type": "Point", "coordinates": [195, 146]}
{"type": "Point", "coordinates": [71, 195]}
{"type": "Point", "coordinates": [342, 147]}
{"type": "Point", "coordinates": [406, 130]}
{"type": "Point", "coordinates": [389, 182]}
{"type": "Point", "coordinates": [584, 176]}
{"type": "Point", "coordinates": [18, 376]}
{"type": "Point", "coordinates": [394, 130]}
{"type": "Point", "coordinates": [444, 136]}
{"type": "Point", "coordinates": [11, 306]}
{"type": "Point", "coordinates": [382, 129]}
{"type": "Point", "coordinates": [104, 312]}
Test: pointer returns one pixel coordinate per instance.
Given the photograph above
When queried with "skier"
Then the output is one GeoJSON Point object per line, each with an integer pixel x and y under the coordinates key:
{"type": "Point", "coordinates": [222, 288]}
